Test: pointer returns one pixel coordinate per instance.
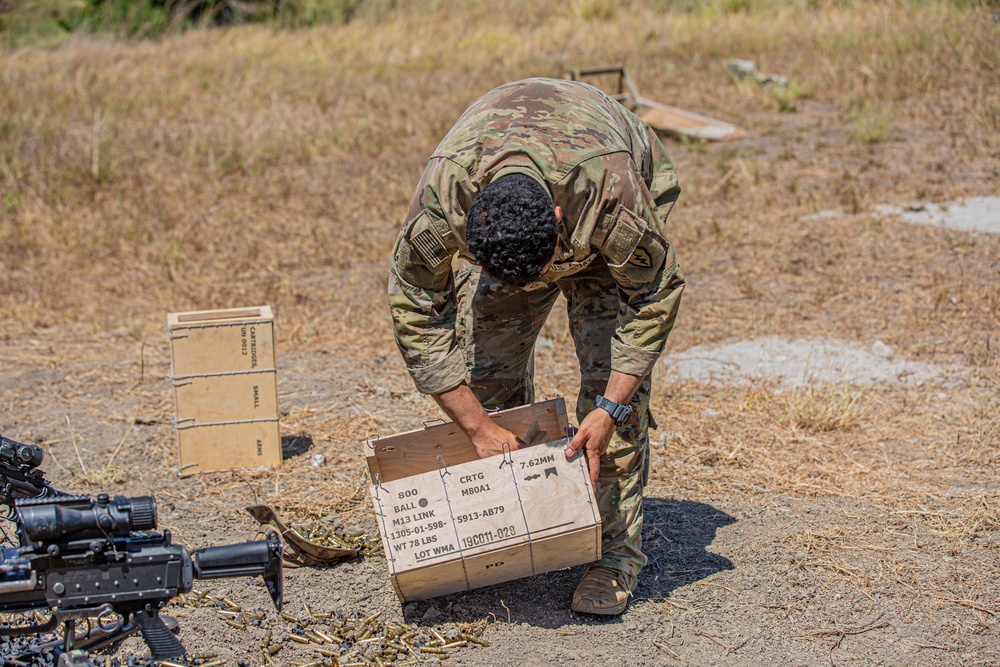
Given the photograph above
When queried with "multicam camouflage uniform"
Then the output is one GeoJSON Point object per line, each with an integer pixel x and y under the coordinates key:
{"type": "Point", "coordinates": [615, 183]}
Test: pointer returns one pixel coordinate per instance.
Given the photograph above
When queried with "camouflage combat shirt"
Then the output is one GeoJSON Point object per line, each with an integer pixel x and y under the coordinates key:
{"type": "Point", "coordinates": [604, 167]}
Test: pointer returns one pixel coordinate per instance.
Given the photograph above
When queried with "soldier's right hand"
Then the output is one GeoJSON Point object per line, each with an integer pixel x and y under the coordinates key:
{"type": "Point", "coordinates": [492, 440]}
{"type": "Point", "coordinates": [465, 409]}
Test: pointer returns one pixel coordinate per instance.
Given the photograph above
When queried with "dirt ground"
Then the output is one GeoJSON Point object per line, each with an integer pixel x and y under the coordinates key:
{"type": "Point", "coordinates": [738, 573]}
{"type": "Point", "coordinates": [829, 524]}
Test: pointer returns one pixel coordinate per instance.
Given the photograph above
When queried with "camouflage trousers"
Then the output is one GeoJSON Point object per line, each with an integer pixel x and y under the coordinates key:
{"type": "Point", "coordinates": [497, 326]}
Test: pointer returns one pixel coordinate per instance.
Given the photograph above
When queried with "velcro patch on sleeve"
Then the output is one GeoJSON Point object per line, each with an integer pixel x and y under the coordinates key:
{"type": "Point", "coordinates": [621, 243]}
{"type": "Point", "coordinates": [428, 243]}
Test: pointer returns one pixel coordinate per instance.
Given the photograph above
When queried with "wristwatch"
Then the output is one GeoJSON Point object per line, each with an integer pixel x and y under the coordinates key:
{"type": "Point", "coordinates": [620, 413]}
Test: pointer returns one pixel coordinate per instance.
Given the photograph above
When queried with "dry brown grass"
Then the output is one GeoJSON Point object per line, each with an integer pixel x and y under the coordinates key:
{"type": "Point", "coordinates": [224, 167]}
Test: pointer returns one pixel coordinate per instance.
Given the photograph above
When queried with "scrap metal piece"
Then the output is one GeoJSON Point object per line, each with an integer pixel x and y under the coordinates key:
{"type": "Point", "coordinates": [301, 550]}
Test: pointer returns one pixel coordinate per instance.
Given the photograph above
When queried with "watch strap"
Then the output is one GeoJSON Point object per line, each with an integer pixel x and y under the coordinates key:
{"type": "Point", "coordinates": [619, 413]}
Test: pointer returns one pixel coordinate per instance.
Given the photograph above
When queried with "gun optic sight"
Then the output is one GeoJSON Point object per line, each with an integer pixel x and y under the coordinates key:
{"type": "Point", "coordinates": [19, 453]}
{"type": "Point", "coordinates": [80, 517]}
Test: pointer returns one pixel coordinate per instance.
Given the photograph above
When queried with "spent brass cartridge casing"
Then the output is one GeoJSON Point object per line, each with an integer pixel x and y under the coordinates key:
{"type": "Point", "coordinates": [474, 639]}
{"type": "Point", "coordinates": [325, 637]}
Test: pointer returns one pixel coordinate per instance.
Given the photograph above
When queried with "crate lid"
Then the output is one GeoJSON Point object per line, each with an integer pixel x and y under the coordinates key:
{"type": "Point", "coordinates": [195, 317]}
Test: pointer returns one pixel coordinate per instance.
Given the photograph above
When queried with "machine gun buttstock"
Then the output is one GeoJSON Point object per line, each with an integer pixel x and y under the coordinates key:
{"type": "Point", "coordinates": [248, 559]}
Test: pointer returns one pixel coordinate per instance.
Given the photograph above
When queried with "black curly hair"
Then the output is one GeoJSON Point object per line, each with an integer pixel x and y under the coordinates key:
{"type": "Point", "coordinates": [512, 229]}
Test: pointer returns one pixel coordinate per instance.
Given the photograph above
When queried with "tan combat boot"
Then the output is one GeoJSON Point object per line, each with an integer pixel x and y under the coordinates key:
{"type": "Point", "coordinates": [603, 590]}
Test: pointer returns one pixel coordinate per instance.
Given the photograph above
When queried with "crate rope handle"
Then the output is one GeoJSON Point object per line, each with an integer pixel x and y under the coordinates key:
{"type": "Point", "coordinates": [451, 515]}
{"type": "Point", "coordinates": [586, 483]}
{"type": "Point", "coordinates": [385, 529]}
{"type": "Point", "coordinates": [505, 449]}
{"type": "Point", "coordinates": [442, 466]}
{"type": "Point", "coordinates": [506, 457]}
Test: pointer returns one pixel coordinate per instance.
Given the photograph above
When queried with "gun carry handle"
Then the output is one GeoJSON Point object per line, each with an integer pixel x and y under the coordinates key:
{"type": "Point", "coordinates": [161, 642]}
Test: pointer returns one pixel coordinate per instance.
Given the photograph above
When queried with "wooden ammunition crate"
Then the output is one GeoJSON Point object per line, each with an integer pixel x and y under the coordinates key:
{"type": "Point", "coordinates": [451, 521]}
{"type": "Point", "coordinates": [225, 388]}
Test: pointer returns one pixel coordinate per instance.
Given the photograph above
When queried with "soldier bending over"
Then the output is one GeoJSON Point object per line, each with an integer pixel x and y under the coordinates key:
{"type": "Point", "coordinates": [546, 187]}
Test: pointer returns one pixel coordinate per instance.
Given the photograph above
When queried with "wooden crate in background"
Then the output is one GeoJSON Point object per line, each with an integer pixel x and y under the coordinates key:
{"type": "Point", "coordinates": [451, 521]}
{"type": "Point", "coordinates": [225, 387]}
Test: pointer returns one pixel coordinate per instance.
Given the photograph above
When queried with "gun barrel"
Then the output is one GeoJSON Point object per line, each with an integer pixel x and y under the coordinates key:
{"type": "Point", "coordinates": [248, 559]}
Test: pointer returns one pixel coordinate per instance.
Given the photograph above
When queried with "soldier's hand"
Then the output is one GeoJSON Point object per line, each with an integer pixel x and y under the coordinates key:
{"type": "Point", "coordinates": [490, 441]}
{"type": "Point", "coordinates": [593, 438]}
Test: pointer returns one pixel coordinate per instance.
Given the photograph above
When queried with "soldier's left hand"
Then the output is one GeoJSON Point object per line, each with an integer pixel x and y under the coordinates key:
{"type": "Point", "coordinates": [593, 438]}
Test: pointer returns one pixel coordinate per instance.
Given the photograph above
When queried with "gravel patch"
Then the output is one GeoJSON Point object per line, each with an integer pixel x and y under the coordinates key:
{"type": "Point", "coordinates": [976, 214]}
{"type": "Point", "coordinates": [796, 363]}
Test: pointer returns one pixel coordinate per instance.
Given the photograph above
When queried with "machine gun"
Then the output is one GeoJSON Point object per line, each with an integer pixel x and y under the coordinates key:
{"type": "Point", "coordinates": [84, 558]}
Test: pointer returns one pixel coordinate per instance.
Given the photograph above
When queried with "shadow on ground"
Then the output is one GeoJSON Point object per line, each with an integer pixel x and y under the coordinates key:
{"type": "Point", "coordinates": [676, 537]}
{"type": "Point", "coordinates": [295, 445]}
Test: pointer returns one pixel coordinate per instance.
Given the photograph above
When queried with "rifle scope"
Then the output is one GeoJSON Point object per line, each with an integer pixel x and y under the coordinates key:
{"type": "Point", "coordinates": [80, 517]}
{"type": "Point", "coordinates": [19, 453]}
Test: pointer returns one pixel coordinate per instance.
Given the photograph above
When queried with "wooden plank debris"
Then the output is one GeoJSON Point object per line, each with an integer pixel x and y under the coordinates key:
{"type": "Point", "coordinates": [661, 117]}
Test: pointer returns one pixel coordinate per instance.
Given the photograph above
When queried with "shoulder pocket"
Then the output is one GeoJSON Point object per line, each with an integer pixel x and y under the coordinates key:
{"type": "Point", "coordinates": [624, 238]}
{"type": "Point", "coordinates": [425, 239]}
{"type": "Point", "coordinates": [635, 253]}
